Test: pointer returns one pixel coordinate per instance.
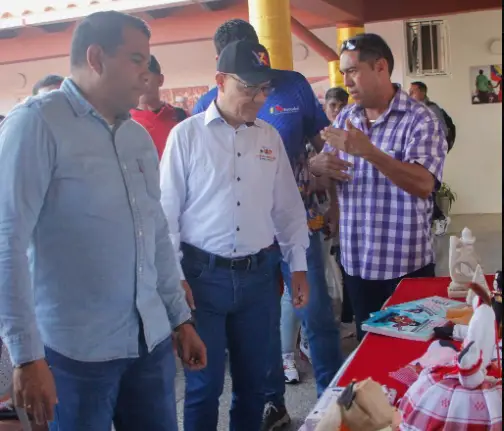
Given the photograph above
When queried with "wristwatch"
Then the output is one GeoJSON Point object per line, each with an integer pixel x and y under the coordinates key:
{"type": "Point", "coordinates": [191, 321]}
{"type": "Point", "coordinates": [25, 364]}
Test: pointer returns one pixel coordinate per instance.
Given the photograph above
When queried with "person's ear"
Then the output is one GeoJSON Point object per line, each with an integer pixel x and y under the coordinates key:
{"type": "Point", "coordinates": [161, 80]}
{"type": "Point", "coordinates": [220, 78]}
{"type": "Point", "coordinates": [381, 65]}
{"type": "Point", "coordinates": [95, 58]}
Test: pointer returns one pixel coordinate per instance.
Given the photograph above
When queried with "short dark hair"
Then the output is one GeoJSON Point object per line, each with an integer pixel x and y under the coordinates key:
{"type": "Point", "coordinates": [421, 85]}
{"type": "Point", "coordinates": [2, 117]}
{"type": "Point", "coordinates": [154, 66]}
{"type": "Point", "coordinates": [180, 113]}
{"type": "Point", "coordinates": [233, 31]}
{"type": "Point", "coordinates": [47, 81]}
{"type": "Point", "coordinates": [104, 29]}
{"type": "Point", "coordinates": [337, 93]}
{"type": "Point", "coordinates": [371, 47]}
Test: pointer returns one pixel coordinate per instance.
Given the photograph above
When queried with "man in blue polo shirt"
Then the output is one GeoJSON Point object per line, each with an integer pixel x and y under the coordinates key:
{"type": "Point", "coordinates": [296, 113]}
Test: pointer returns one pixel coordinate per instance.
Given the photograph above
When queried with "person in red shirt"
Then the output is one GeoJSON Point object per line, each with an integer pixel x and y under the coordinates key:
{"type": "Point", "coordinates": [158, 117]}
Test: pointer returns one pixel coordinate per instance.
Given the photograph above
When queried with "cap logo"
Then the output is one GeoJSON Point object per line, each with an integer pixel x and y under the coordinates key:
{"type": "Point", "coordinates": [262, 58]}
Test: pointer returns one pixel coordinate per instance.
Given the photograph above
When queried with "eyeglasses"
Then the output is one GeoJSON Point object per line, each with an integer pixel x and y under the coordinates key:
{"type": "Point", "coordinates": [253, 90]}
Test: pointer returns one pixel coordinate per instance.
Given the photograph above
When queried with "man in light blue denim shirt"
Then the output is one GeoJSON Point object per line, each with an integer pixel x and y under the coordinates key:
{"type": "Point", "coordinates": [80, 191]}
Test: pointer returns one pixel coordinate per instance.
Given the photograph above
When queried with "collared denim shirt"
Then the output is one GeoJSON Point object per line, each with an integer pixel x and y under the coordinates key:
{"type": "Point", "coordinates": [82, 198]}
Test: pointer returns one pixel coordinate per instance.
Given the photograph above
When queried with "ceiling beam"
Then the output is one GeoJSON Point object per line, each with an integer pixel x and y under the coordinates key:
{"type": "Point", "coordinates": [216, 5]}
{"type": "Point", "coordinates": [159, 13]}
{"type": "Point", "coordinates": [335, 10]}
{"type": "Point", "coordinates": [384, 10]}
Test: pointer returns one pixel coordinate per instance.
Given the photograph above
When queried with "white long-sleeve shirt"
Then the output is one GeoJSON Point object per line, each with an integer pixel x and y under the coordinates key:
{"type": "Point", "coordinates": [230, 191]}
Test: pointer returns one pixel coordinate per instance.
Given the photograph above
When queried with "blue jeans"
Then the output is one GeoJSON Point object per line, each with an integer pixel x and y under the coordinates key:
{"type": "Point", "coordinates": [290, 324]}
{"type": "Point", "coordinates": [133, 394]}
{"type": "Point", "coordinates": [320, 324]}
{"type": "Point", "coordinates": [234, 309]}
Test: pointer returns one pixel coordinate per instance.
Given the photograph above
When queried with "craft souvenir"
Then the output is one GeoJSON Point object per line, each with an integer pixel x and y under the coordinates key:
{"type": "Point", "coordinates": [362, 406]}
{"type": "Point", "coordinates": [497, 299]}
{"type": "Point", "coordinates": [462, 261]}
{"type": "Point", "coordinates": [458, 318]}
{"type": "Point", "coordinates": [466, 394]}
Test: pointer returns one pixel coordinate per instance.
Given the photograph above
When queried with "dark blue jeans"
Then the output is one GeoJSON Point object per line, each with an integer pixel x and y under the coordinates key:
{"type": "Point", "coordinates": [234, 309]}
{"type": "Point", "coordinates": [322, 330]}
{"type": "Point", "coordinates": [133, 394]}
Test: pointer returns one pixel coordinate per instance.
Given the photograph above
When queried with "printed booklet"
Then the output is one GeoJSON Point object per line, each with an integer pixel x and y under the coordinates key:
{"type": "Point", "coordinates": [414, 320]}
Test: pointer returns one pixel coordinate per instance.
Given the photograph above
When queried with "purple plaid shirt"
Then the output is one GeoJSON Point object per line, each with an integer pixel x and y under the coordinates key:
{"type": "Point", "coordinates": [385, 233]}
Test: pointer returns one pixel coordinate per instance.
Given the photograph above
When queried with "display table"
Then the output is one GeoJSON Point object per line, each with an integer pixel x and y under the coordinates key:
{"type": "Point", "coordinates": [378, 356]}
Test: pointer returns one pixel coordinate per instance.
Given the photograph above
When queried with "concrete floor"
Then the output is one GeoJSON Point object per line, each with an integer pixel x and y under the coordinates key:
{"type": "Point", "coordinates": [301, 398]}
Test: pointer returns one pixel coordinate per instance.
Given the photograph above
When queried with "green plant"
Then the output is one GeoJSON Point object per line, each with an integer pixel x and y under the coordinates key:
{"type": "Point", "coordinates": [445, 192]}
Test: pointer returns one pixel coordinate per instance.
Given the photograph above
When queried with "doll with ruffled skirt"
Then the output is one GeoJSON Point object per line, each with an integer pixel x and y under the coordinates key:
{"type": "Point", "coordinates": [465, 392]}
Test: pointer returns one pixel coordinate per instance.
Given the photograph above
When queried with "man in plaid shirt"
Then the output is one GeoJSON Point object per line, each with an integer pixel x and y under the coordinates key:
{"type": "Point", "coordinates": [397, 148]}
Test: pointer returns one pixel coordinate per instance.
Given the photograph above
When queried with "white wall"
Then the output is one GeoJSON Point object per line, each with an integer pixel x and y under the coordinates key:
{"type": "Point", "coordinates": [393, 32]}
{"type": "Point", "coordinates": [474, 167]}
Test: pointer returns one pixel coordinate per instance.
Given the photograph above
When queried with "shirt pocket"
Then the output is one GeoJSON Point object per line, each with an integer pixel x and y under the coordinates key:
{"type": "Point", "coordinates": [150, 173]}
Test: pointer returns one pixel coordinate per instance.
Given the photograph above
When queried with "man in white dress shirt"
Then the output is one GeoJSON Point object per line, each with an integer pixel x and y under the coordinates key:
{"type": "Point", "coordinates": [228, 190]}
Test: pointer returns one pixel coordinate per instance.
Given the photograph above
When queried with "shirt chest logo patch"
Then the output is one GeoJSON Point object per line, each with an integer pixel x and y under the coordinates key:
{"type": "Point", "coordinates": [281, 110]}
{"type": "Point", "coordinates": [266, 154]}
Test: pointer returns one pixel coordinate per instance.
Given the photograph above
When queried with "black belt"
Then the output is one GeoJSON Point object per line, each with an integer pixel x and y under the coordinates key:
{"type": "Point", "coordinates": [244, 263]}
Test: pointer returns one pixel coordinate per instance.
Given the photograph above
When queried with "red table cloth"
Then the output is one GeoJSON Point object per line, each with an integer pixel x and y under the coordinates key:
{"type": "Point", "coordinates": [378, 356]}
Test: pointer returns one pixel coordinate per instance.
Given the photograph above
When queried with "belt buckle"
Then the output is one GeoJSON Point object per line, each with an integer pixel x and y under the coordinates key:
{"type": "Point", "coordinates": [235, 261]}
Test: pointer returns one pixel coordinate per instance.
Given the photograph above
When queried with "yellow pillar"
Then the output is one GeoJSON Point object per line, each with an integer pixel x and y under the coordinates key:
{"type": "Point", "coordinates": [272, 21]}
{"type": "Point", "coordinates": [342, 34]}
{"type": "Point", "coordinates": [335, 77]}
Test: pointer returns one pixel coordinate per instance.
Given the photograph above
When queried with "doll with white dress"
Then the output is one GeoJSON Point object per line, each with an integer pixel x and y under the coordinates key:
{"type": "Point", "coordinates": [464, 393]}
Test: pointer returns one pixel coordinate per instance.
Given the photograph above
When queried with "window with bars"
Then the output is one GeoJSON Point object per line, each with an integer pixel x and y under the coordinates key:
{"type": "Point", "coordinates": [427, 48]}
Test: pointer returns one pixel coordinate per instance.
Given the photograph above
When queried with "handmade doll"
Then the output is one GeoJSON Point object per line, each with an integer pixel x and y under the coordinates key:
{"type": "Point", "coordinates": [362, 406]}
{"type": "Point", "coordinates": [497, 299]}
{"type": "Point", "coordinates": [458, 318]}
{"type": "Point", "coordinates": [466, 394]}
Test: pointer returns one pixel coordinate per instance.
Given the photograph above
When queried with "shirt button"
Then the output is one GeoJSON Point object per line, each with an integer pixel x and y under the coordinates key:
{"type": "Point", "coordinates": [238, 203]}
{"type": "Point", "coordinates": [238, 179]}
{"type": "Point", "coordinates": [133, 200]}
{"type": "Point", "coordinates": [140, 269]}
{"type": "Point", "coordinates": [124, 167]}
{"type": "Point", "coordinates": [239, 154]}
{"type": "Point", "coordinates": [140, 233]}
{"type": "Point", "coordinates": [234, 251]}
{"type": "Point", "coordinates": [238, 228]}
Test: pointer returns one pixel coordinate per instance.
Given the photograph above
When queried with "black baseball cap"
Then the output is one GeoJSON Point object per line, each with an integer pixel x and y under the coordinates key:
{"type": "Point", "coordinates": [250, 61]}
{"type": "Point", "coordinates": [154, 66]}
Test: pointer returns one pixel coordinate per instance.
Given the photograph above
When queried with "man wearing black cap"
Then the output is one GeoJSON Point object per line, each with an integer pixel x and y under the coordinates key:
{"type": "Point", "coordinates": [158, 117]}
{"type": "Point", "coordinates": [228, 190]}
{"type": "Point", "coordinates": [294, 111]}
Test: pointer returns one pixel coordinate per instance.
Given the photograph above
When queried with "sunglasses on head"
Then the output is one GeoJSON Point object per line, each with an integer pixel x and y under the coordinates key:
{"type": "Point", "coordinates": [360, 45]}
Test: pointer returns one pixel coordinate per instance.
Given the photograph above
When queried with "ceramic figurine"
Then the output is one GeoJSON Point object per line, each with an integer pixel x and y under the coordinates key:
{"type": "Point", "coordinates": [462, 263]}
